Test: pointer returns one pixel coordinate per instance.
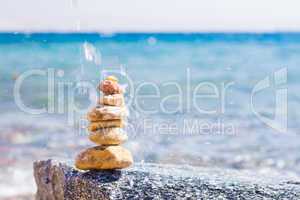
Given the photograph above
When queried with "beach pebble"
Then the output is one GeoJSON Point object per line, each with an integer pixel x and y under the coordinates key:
{"type": "Point", "coordinates": [108, 136]}
{"type": "Point", "coordinates": [112, 100]}
{"type": "Point", "coordinates": [100, 113]}
{"type": "Point", "coordinates": [104, 157]}
{"type": "Point", "coordinates": [106, 124]}
{"type": "Point", "coordinates": [110, 87]}
{"type": "Point", "coordinates": [112, 78]}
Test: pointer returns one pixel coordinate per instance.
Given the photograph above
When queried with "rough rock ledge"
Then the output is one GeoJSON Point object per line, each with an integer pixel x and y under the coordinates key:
{"type": "Point", "coordinates": [57, 181]}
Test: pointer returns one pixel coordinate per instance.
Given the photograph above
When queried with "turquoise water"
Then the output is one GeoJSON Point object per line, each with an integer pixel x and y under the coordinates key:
{"type": "Point", "coordinates": [240, 59]}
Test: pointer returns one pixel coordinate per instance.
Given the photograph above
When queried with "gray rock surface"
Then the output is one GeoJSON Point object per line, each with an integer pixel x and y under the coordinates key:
{"type": "Point", "coordinates": [57, 181]}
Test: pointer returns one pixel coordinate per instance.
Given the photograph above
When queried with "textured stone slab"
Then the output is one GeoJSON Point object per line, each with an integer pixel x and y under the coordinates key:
{"type": "Point", "coordinates": [149, 181]}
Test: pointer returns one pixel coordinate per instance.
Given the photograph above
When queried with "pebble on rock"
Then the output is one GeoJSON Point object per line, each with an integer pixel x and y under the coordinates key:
{"type": "Point", "coordinates": [93, 126]}
{"type": "Point", "coordinates": [108, 136]}
{"type": "Point", "coordinates": [110, 87]}
{"type": "Point", "coordinates": [101, 113]}
{"type": "Point", "coordinates": [112, 100]}
{"type": "Point", "coordinates": [104, 157]}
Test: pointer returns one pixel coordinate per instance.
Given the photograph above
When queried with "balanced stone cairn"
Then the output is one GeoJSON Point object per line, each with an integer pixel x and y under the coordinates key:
{"type": "Point", "coordinates": [106, 122]}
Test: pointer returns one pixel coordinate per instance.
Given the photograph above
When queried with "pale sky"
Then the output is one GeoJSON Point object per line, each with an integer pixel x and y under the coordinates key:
{"type": "Point", "coordinates": [149, 16]}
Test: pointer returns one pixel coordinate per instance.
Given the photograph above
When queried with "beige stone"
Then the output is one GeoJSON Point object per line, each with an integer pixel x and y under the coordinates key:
{"type": "Point", "coordinates": [93, 126]}
{"type": "Point", "coordinates": [104, 157]}
{"type": "Point", "coordinates": [101, 113]}
{"type": "Point", "coordinates": [112, 100]}
{"type": "Point", "coordinates": [108, 136]}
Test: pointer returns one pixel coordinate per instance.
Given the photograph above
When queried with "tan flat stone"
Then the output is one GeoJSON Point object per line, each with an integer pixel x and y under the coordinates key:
{"type": "Point", "coordinates": [108, 136]}
{"type": "Point", "coordinates": [101, 113]}
{"type": "Point", "coordinates": [104, 157]}
{"type": "Point", "coordinates": [106, 124]}
{"type": "Point", "coordinates": [112, 100]}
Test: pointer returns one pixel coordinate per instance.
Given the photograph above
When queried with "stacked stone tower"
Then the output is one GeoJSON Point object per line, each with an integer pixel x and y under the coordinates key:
{"type": "Point", "coordinates": [105, 129]}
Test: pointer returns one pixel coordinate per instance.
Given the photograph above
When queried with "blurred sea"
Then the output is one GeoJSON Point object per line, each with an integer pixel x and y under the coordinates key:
{"type": "Point", "coordinates": [240, 59]}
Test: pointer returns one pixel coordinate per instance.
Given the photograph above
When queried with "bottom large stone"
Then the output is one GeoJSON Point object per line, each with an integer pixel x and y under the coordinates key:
{"type": "Point", "coordinates": [104, 157]}
{"type": "Point", "coordinates": [58, 181]}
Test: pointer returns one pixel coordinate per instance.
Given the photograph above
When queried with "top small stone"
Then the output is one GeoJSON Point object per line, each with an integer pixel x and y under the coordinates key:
{"type": "Point", "coordinates": [110, 86]}
{"type": "Point", "coordinates": [112, 78]}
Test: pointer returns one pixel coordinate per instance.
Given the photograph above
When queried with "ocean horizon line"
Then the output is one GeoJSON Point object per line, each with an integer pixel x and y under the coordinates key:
{"type": "Point", "coordinates": [7, 37]}
{"type": "Point", "coordinates": [150, 32]}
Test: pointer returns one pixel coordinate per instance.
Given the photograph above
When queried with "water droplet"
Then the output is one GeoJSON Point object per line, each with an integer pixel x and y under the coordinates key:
{"type": "Point", "coordinates": [152, 41]}
{"type": "Point", "coordinates": [91, 54]}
